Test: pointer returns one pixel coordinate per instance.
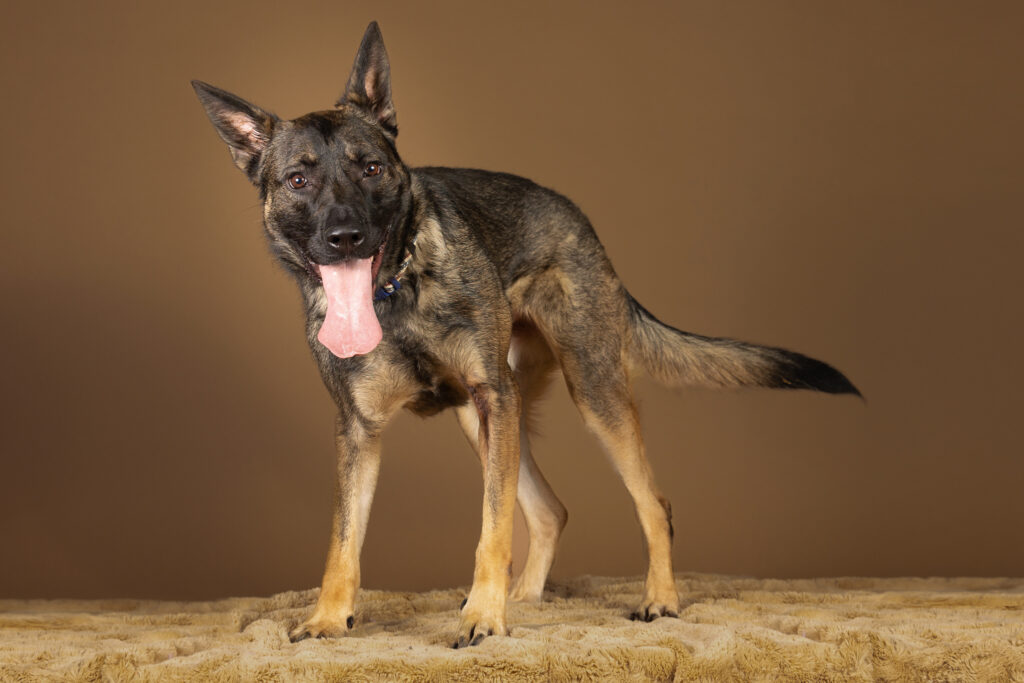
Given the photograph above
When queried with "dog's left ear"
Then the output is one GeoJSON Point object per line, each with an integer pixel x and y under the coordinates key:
{"type": "Point", "coordinates": [369, 86]}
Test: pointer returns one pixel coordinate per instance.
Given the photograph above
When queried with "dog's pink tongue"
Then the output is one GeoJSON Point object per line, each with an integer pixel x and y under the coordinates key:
{"type": "Point", "coordinates": [351, 327]}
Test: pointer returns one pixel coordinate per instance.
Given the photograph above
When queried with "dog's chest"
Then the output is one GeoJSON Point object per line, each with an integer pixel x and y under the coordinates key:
{"type": "Point", "coordinates": [437, 386]}
{"type": "Point", "coordinates": [433, 399]}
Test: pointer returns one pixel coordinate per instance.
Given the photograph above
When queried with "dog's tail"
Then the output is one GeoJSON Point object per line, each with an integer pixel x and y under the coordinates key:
{"type": "Point", "coordinates": [675, 358]}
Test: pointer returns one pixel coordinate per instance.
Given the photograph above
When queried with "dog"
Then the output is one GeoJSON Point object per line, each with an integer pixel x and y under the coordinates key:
{"type": "Point", "coordinates": [434, 288]}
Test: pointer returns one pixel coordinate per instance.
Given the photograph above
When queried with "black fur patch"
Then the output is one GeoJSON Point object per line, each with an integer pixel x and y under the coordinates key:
{"type": "Point", "coordinates": [797, 371]}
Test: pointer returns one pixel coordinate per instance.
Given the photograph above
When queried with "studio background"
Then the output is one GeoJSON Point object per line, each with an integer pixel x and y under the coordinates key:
{"type": "Point", "coordinates": [839, 179]}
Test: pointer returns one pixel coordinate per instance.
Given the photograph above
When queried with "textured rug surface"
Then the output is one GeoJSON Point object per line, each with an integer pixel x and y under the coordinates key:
{"type": "Point", "coordinates": [730, 628]}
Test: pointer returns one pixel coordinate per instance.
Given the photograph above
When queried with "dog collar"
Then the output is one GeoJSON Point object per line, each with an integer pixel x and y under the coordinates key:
{"type": "Point", "coordinates": [395, 283]}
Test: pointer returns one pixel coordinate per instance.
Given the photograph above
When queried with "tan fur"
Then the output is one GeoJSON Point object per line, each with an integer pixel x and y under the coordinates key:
{"type": "Point", "coordinates": [357, 481]}
{"type": "Point", "coordinates": [625, 448]}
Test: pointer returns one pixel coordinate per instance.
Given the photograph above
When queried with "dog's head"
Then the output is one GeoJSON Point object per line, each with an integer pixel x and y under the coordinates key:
{"type": "Point", "coordinates": [334, 189]}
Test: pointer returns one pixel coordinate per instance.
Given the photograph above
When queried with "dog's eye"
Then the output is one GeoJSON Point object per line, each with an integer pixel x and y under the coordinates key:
{"type": "Point", "coordinates": [297, 180]}
{"type": "Point", "coordinates": [373, 168]}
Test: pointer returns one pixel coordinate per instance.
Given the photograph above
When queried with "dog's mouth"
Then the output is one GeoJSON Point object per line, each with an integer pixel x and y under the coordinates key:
{"type": "Point", "coordinates": [314, 268]}
{"type": "Point", "coordinates": [350, 327]}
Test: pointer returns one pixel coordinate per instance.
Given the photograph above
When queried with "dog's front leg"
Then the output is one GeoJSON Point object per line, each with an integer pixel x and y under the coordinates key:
{"type": "Point", "coordinates": [497, 409]}
{"type": "Point", "coordinates": [358, 465]}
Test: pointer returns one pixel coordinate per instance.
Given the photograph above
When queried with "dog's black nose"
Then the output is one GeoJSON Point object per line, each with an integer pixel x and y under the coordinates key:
{"type": "Point", "coordinates": [344, 239]}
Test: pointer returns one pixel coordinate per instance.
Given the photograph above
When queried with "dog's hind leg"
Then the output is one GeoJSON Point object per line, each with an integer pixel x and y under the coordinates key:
{"type": "Point", "coordinates": [589, 346]}
{"type": "Point", "coordinates": [614, 420]}
{"type": "Point", "coordinates": [532, 362]}
{"type": "Point", "coordinates": [545, 518]}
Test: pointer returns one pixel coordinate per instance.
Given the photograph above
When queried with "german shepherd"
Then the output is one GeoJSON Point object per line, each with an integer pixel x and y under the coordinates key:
{"type": "Point", "coordinates": [434, 288]}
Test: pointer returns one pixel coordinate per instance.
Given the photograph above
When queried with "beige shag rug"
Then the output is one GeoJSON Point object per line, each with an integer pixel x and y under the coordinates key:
{"type": "Point", "coordinates": [730, 629]}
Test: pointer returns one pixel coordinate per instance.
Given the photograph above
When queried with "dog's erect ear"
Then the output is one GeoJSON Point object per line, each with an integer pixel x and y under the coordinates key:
{"type": "Point", "coordinates": [369, 86]}
{"type": "Point", "coordinates": [245, 127]}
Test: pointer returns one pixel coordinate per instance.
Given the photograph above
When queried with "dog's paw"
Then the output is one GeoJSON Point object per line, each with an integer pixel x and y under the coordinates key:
{"type": "Point", "coordinates": [651, 610]}
{"type": "Point", "coordinates": [476, 624]}
{"type": "Point", "coordinates": [321, 627]}
{"type": "Point", "coordinates": [658, 601]}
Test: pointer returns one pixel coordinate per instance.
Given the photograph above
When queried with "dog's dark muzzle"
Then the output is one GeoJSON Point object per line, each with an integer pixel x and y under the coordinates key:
{"type": "Point", "coordinates": [345, 236]}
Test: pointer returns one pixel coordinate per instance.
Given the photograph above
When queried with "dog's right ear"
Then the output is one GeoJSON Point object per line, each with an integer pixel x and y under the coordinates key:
{"type": "Point", "coordinates": [244, 127]}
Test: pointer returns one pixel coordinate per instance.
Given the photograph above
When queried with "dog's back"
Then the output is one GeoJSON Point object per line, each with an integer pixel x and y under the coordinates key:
{"type": "Point", "coordinates": [547, 256]}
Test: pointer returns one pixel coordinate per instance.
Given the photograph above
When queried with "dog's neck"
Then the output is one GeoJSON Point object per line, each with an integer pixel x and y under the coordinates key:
{"type": "Point", "coordinates": [394, 283]}
{"type": "Point", "coordinates": [402, 251]}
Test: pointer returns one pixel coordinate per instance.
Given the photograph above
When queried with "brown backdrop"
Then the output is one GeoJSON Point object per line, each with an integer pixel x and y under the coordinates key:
{"type": "Point", "coordinates": [840, 179]}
